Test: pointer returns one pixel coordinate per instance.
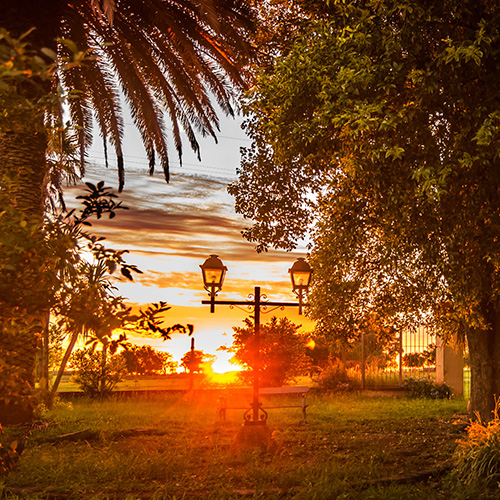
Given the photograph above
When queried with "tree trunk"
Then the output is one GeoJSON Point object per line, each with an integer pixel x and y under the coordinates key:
{"type": "Point", "coordinates": [18, 342]}
{"type": "Point", "coordinates": [60, 371]}
{"type": "Point", "coordinates": [22, 186]}
{"type": "Point", "coordinates": [104, 359]}
{"type": "Point", "coordinates": [22, 163]}
{"type": "Point", "coordinates": [484, 352]}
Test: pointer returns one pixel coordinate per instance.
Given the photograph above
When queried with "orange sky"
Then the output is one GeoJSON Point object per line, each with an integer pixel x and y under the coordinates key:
{"type": "Point", "coordinates": [170, 229]}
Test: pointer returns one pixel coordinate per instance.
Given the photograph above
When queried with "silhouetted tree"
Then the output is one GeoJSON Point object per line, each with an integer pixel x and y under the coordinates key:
{"type": "Point", "coordinates": [281, 354]}
{"type": "Point", "coordinates": [196, 361]}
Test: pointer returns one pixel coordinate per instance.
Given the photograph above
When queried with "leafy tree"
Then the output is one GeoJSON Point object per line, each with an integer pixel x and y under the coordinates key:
{"type": "Point", "coordinates": [381, 126]}
{"type": "Point", "coordinates": [281, 355]}
{"type": "Point", "coordinates": [144, 360]}
{"type": "Point", "coordinates": [92, 310]}
{"type": "Point", "coordinates": [418, 359]}
{"type": "Point", "coordinates": [79, 292]}
{"type": "Point", "coordinates": [378, 344]}
{"type": "Point", "coordinates": [318, 357]}
{"type": "Point", "coordinates": [196, 361]}
{"type": "Point", "coordinates": [83, 298]}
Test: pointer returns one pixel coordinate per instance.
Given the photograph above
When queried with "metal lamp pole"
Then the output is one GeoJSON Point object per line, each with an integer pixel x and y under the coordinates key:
{"type": "Point", "coordinates": [259, 300]}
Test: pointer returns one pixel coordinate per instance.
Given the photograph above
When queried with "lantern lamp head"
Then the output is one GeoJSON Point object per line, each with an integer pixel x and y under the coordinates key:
{"type": "Point", "coordinates": [300, 274]}
{"type": "Point", "coordinates": [213, 271]}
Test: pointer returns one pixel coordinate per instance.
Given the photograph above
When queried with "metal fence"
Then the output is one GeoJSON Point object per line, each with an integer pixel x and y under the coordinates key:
{"type": "Point", "coordinates": [375, 364]}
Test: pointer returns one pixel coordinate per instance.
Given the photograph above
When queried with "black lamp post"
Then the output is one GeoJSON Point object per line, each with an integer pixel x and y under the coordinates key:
{"type": "Point", "coordinates": [213, 271]}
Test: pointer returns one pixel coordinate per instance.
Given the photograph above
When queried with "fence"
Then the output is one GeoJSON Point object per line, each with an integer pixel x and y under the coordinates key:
{"type": "Point", "coordinates": [375, 364]}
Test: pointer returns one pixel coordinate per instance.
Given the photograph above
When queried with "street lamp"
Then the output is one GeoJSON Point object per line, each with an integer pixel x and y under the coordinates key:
{"type": "Point", "coordinates": [300, 274]}
{"type": "Point", "coordinates": [213, 271]}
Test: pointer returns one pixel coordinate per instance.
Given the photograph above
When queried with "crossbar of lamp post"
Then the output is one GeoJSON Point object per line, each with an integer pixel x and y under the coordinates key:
{"type": "Point", "coordinates": [248, 303]}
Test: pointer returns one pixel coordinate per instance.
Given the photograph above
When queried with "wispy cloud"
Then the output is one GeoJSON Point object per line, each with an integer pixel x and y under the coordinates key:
{"type": "Point", "coordinates": [169, 230]}
{"type": "Point", "coordinates": [195, 220]}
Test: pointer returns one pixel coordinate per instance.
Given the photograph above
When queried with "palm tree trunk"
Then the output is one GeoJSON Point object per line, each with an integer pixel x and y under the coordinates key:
{"type": "Point", "coordinates": [23, 170]}
{"type": "Point", "coordinates": [18, 343]}
{"type": "Point", "coordinates": [22, 186]}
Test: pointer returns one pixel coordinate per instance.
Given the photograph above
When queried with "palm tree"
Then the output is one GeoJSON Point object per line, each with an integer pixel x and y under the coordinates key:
{"type": "Point", "coordinates": [167, 57]}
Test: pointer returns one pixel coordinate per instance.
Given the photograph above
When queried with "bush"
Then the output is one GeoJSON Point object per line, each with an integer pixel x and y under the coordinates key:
{"type": "Point", "coordinates": [282, 351]}
{"type": "Point", "coordinates": [95, 376]}
{"type": "Point", "coordinates": [426, 388]}
{"type": "Point", "coordinates": [477, 458]}
{"type": "Point", "coordinates": [8, 457]}
{"type": "Point", "coordinates": [334, 377]}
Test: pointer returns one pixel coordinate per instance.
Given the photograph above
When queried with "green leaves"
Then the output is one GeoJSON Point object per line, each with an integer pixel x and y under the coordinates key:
{"type": "Point", "coordinates": [377, 134]}
{"type": "Point", "coordinates": [489, 131]}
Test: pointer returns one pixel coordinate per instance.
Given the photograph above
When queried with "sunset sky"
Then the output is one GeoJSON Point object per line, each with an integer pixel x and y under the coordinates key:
{"type": "Point", "coordinates": [170, 229]}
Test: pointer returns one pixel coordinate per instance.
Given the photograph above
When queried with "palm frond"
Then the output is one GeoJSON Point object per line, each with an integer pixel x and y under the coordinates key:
{"type": "Point", "coordinates": [168, 57]}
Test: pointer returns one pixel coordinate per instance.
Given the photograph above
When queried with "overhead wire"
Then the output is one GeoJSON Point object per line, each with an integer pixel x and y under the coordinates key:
{"type": "Point", "coordinates": [191, 167]}
{"type": "Point", "coordinates": [198, 168]}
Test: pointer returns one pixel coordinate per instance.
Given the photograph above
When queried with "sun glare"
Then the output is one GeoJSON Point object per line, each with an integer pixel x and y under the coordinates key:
{"type": "Point", "coordinates": [226, 378]}
{"type": "Point", "coordinates": [222, 372]}
{"type": "Point", "coordinates": [222, 364]}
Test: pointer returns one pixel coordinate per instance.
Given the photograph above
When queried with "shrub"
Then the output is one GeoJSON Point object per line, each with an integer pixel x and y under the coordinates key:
{"type": "Point", "coordinates": [8, 457]}
{"type": "Point", "coordinates": [426, 388]}
{"type": "Point", "coordinates": [334, 377]}
{"type": "Point", "coordinates": [477, 458]}
{"type": "Point", "coordinates": [281, 355]}
{"type": "Point", "coordinates": [96, 373]}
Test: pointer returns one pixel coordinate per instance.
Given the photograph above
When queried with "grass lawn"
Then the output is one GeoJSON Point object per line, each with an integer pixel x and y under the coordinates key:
{"type": "Point", "coordinates": [173, 382]}
{"type": "Point", "coordinates": [174, 447]}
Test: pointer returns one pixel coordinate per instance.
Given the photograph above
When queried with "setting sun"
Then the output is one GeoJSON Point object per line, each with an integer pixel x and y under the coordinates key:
{"type": "Point", "coordinates": [222, 364]}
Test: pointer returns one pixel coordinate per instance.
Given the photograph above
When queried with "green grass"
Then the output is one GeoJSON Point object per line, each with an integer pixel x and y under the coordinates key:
{"type": "Point", "coordinates": [349, 449]}
{"type": "Point", "coordinates": [179, 381]}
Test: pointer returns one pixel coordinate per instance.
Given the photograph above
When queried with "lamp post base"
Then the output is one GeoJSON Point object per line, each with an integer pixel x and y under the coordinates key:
{"type": "Point", "coordinates": [254, 435]}
{"type": "Point", "coordinates": [255, 422]}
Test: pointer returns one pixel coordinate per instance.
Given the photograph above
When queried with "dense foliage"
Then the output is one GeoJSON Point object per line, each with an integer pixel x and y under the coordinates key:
{"type": "Point", "coordinates": [197, 361]}
{"type": "Point", "coordinates": [335, 377]}
{"type": "Point", "coordinates": [418, 359]}
{"type": "Point", "coordinates": [380, 125]}
{"type": "Point", "coordinates": [144, 360]}
{"type": "Point", "coordinates": [281, 351]}
{"type": "Point", "coordinates": [96, 373]}
{"type": "Point", "coordinates": [477, 458]}
{"type": "Point", "coordinates": [426, 388]}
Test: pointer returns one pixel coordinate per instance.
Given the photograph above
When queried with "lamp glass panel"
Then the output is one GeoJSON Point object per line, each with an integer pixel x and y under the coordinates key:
{"type": "Point", "coordinates": [301, 279]}
{"type": "Point", "coordinates": [213, 276]}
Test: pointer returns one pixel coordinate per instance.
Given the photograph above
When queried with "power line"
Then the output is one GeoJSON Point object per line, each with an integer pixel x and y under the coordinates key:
{"type": "Point", "coordinates": [244, 139]}
{"type": "Point", "coordinates": [144, 164]}
{"type": "Point", "coordinates": [196, 168]}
